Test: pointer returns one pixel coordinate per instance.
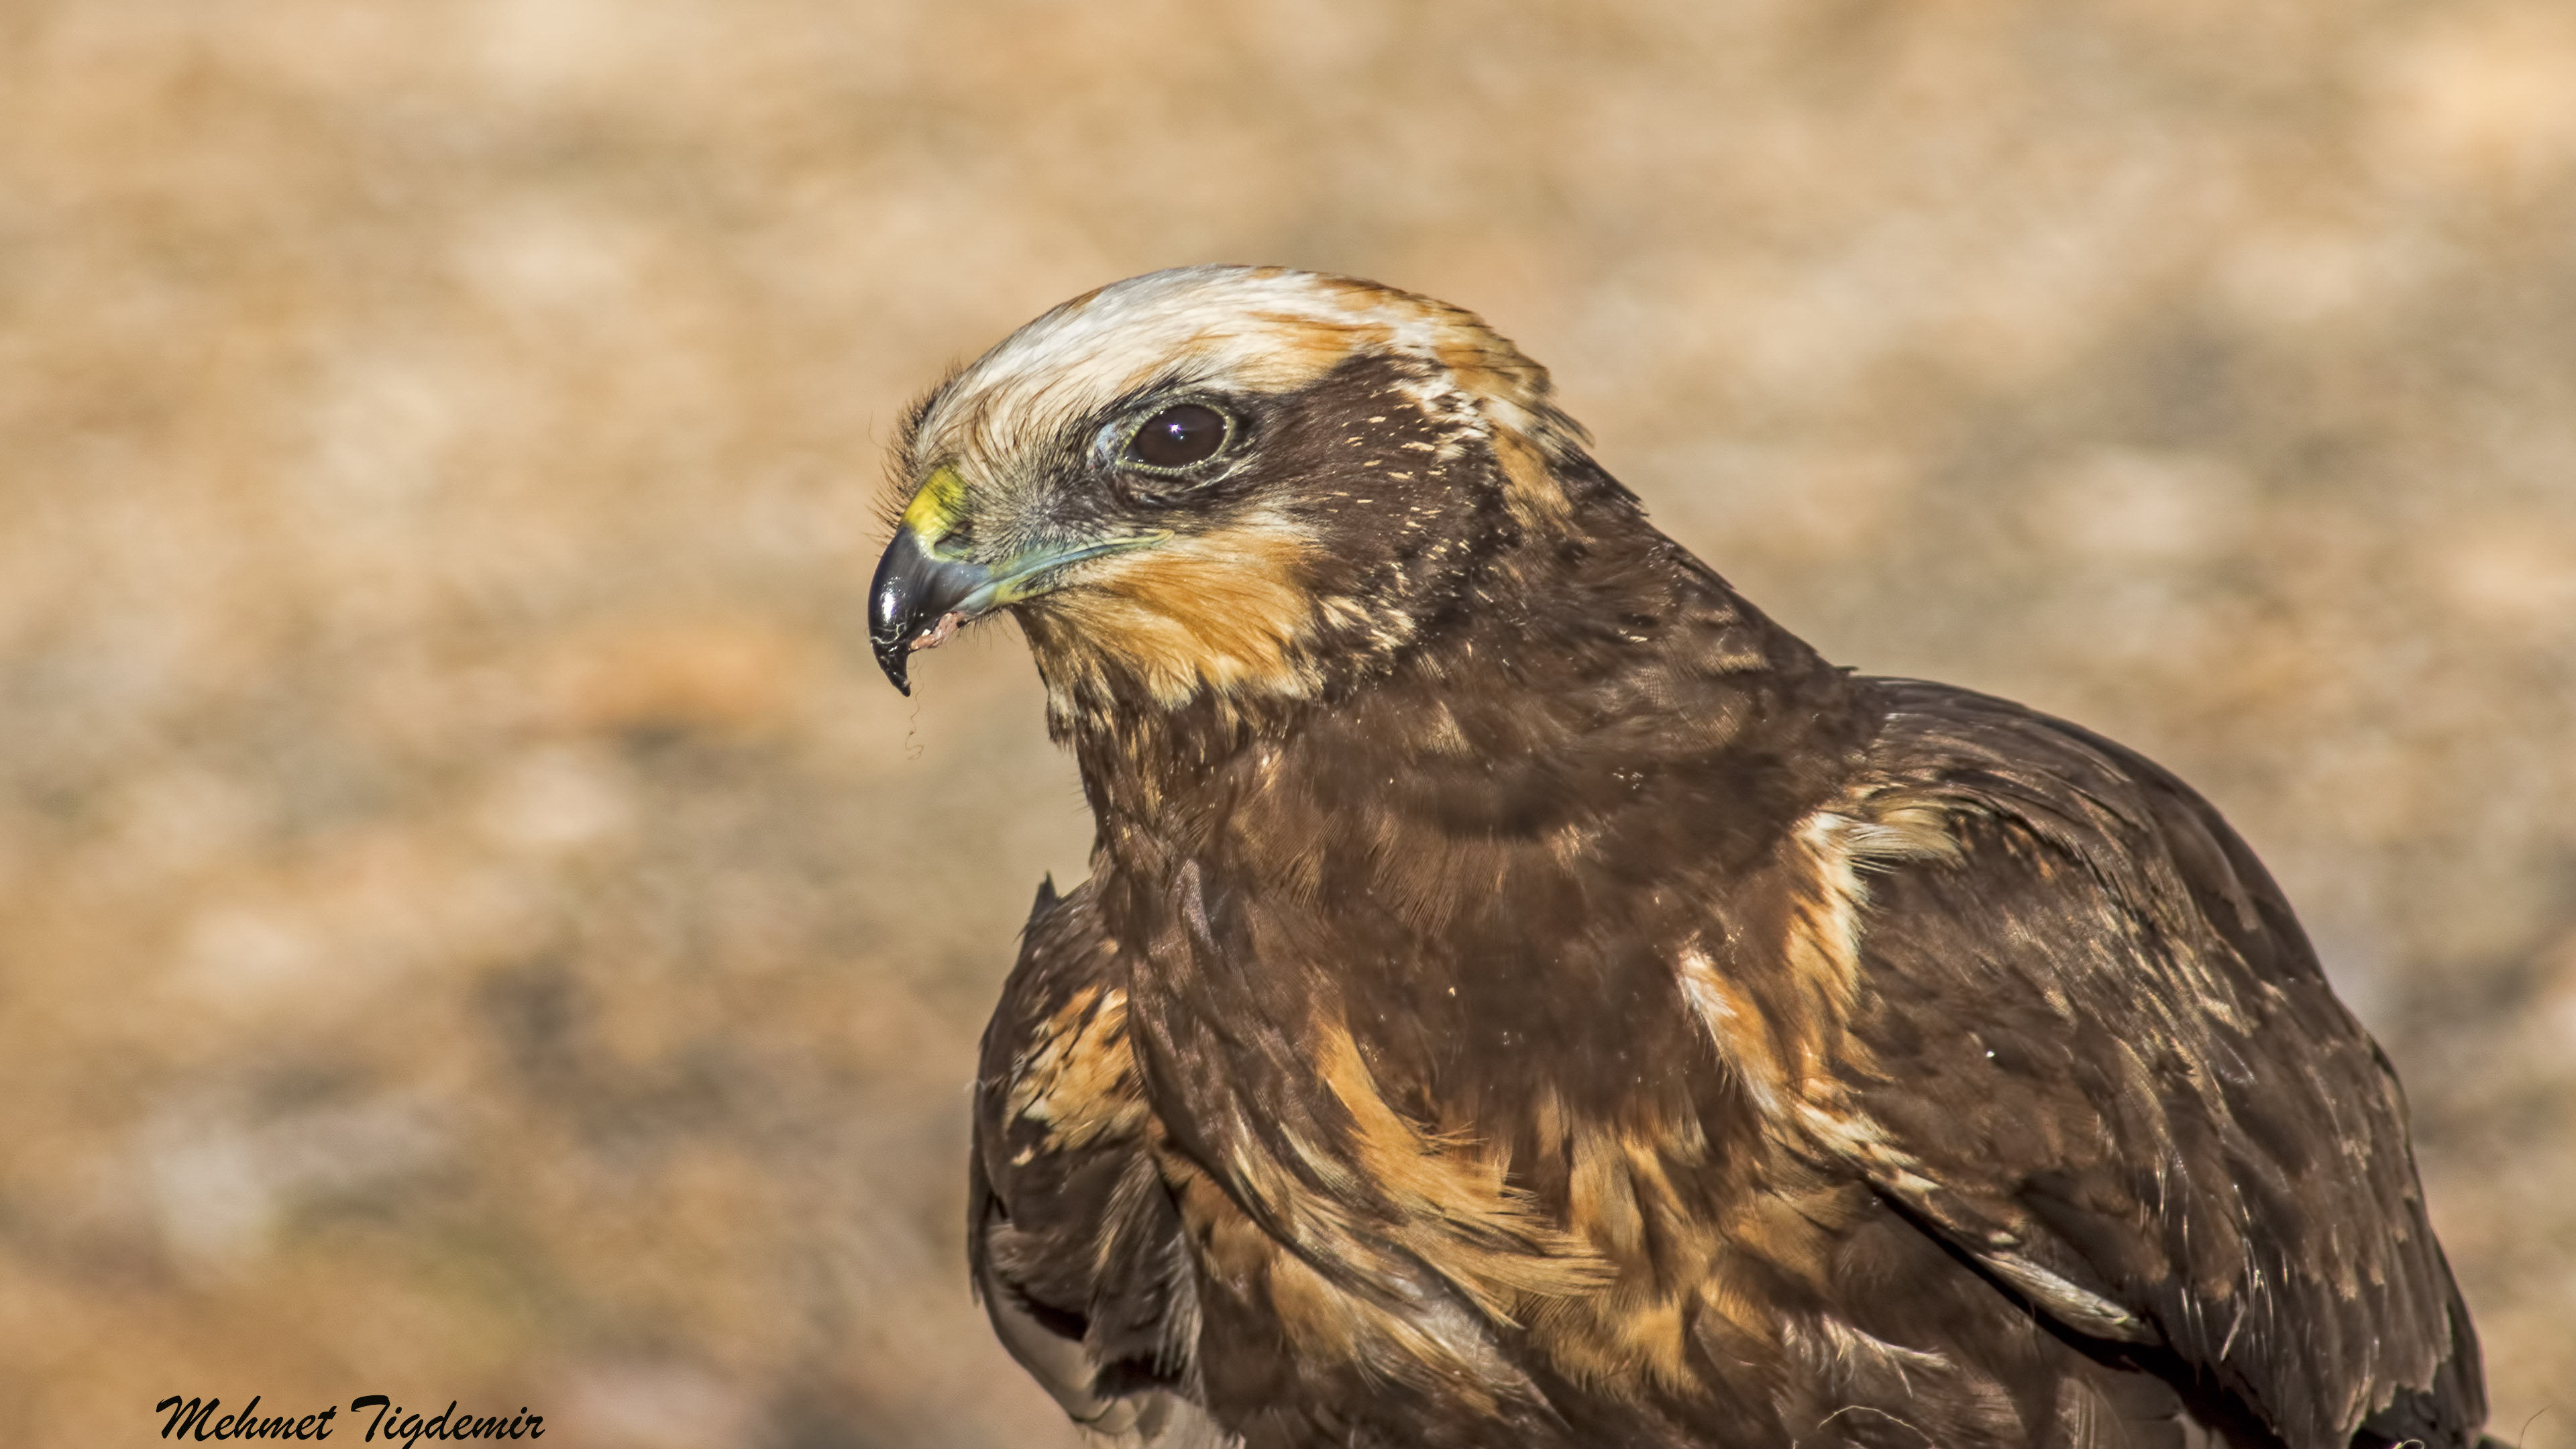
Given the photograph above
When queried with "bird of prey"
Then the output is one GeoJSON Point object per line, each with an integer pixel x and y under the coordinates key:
{"type": "Point", "coordinates": [1526, 997]}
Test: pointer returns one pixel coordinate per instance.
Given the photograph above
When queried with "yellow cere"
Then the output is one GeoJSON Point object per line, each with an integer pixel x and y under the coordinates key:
{"type": "Point", "coordinates": [934, 510]}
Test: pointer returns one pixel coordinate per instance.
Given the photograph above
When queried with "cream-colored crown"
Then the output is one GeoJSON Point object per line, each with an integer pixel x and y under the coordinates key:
{"type": "Point", "coordinates": [1225, 328]}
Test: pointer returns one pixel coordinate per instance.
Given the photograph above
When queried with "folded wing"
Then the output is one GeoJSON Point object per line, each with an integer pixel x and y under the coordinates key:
{"type": "Point", "coordinates": [2097, 1057]}
{"type": "Point", "coordinates": [1076, 1251]}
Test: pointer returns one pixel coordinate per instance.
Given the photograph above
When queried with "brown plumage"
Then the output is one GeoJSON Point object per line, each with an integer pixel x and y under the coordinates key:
{"type": "Point", "coordinates": [1525, 997]}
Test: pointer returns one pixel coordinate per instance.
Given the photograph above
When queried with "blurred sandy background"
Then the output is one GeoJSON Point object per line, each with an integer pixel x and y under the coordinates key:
{"type": "Point", "coordinates": [474, 925]}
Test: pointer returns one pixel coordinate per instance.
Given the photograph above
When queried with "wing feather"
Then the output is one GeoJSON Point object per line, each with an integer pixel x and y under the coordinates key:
{"type": "Point", "coordinates": [2102, 1061]}
{"type": "Point", "coordinates": [1076, 1249]}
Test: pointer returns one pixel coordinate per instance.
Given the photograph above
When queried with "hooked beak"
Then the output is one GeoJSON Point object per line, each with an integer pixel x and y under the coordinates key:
{"type": "Point", "coordinates": [913, 602]}
{"type": "Point", "coordinates": [923, 591]}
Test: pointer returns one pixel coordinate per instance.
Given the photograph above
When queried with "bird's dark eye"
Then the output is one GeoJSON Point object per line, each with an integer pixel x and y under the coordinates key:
{"type": "Point", "coordinates": [1178, 436]}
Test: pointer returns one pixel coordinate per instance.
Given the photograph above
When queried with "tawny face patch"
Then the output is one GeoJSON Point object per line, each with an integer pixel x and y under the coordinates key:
{"type": "Point", "coordinates": [1225, 609]}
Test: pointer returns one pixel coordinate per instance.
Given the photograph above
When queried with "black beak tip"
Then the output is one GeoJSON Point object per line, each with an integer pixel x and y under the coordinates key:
{"type": "Point", "coordinates": [888, 639]}
{"type": "Point", "coordinates": [897, 662]}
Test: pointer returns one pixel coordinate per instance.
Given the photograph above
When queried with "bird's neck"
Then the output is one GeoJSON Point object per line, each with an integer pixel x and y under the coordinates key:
{"type": "Point", "coordinates": [1577, 674]}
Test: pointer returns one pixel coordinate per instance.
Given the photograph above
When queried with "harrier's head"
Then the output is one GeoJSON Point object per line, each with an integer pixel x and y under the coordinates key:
{"type": "Point", "coordinates": [1230, 481]}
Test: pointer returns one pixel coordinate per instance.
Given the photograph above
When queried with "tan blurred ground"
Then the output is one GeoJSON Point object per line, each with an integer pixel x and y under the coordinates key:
{"type": "Point", "coordinates": [472, 923]}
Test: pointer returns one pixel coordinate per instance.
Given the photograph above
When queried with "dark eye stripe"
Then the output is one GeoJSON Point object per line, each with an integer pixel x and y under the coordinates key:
{"type": "Point", "coordinates": [1179, 436]}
